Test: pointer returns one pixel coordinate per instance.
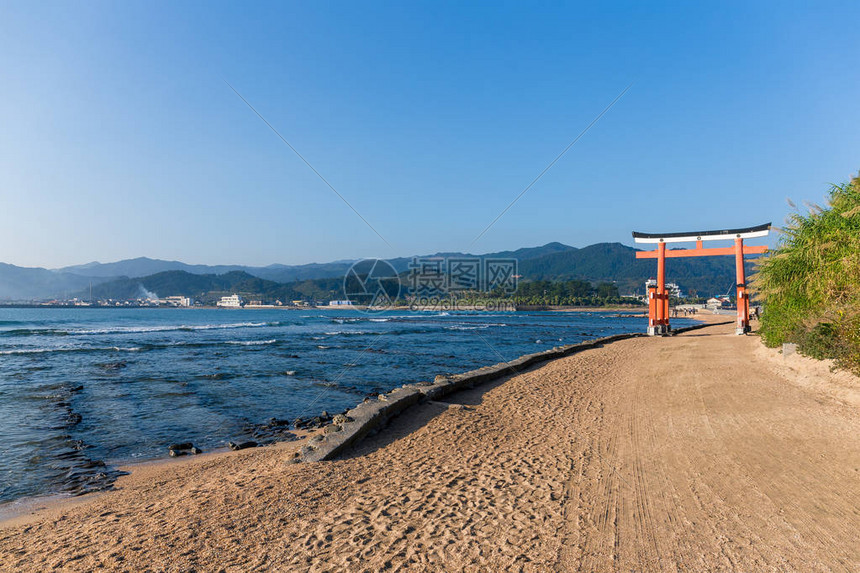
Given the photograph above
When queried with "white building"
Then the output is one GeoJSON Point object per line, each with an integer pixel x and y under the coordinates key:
{"type": "Point", "coordinates": [716, 302]}
{"type": "Point", "coordinates": [176, 301]}
{"type": "Point", "coordinates": [672, 288]}
{"type": "Point", "coordinates": [340, 303]}
{"type": "Point", "coordinates": [232, 301]}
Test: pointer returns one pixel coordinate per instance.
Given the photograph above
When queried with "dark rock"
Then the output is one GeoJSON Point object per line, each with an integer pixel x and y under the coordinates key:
{"type": "Point", "coordinates": [243, 446]}
{"type": "Point", "coordinates": [275, 430]}
{"type": "Point", "coordinates": [315, 422]}
{"type": "Point", "coordinates": [195, 450]}
{"type": "Point", "coordinates": [177, 453]}
{"type": "Point", "coordinates": [182, 446]}
{"type": "Point", "coordinates": [341, 419]}
{"type": "Point", "coordinates": [332, 429]}
{"type": "Point", "coordinates": [114, 365]}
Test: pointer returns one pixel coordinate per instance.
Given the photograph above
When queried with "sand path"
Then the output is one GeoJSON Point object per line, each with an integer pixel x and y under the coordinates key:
{"type": "Point", "coordinates": [698, 452]}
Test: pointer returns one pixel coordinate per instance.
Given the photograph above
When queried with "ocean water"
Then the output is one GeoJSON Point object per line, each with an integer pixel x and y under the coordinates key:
{"type": "Point", "coordinates": [84, 390]}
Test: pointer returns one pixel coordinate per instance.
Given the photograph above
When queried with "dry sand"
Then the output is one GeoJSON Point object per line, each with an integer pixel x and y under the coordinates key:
{"type": "Point", "coordinates": [698, 452]}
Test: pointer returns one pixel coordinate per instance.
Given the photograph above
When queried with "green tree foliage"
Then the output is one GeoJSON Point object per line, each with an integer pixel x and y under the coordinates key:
{"type": "Point", "coordinates": [568, 293]}
{"type": "Point", "coordinates": [607, 290]}
{"type": "Point", "coordinates": [810, 285]}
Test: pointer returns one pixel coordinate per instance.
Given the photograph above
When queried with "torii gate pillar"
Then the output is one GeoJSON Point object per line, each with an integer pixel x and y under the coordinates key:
{"type": "Point", "coordinates": [658, 297]}
{"type": "Point", "coordinates": [743, 325]}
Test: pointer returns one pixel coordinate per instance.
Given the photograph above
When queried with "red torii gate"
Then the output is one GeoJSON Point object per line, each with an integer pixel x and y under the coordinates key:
{"type": "Point", "coordinates": [658, 298]}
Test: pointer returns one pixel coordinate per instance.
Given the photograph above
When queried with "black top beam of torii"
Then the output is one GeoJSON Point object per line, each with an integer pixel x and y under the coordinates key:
{"type": "Point", "coordinates": [745, 233]}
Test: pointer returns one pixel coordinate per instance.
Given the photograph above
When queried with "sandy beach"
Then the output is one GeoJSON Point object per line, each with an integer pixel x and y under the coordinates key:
{"type": "Point", "coordinates": [704, 451]}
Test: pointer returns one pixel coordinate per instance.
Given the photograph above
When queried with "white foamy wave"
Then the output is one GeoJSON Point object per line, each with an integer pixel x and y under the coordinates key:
{"type": "Point", "coordinates": [347, 332]}
{"type": "Point", "coordinates": [167, 328]}
{"type": "Point", "coordinates": [251, 342]}
{"type": "Point", "coordinates": [24, 351]}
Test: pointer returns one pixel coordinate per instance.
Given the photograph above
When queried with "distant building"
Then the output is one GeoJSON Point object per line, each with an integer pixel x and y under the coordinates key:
{"type": "Point", "coordinates": [176, 301]}
{"type": "Point", "coordinates": [232, 301]}
{"type": "Point", "coordinates": [340, 303]}
{"type": "Point", "coordinates": [672, 288]}
{"type": "Point", "coordinates": [717, 302]}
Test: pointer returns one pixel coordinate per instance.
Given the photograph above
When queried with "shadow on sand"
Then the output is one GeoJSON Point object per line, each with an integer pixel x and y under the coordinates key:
{"type": "Point", "coordinates": [420, 414]}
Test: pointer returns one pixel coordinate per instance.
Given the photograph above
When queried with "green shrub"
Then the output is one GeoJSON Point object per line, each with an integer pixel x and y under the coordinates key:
{"type": "Point", "coordinates": [810, 284]}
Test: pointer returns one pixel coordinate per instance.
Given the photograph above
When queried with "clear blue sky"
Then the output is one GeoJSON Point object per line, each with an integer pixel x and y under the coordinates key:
{"type": "Point", "coordinates": [119, 137]}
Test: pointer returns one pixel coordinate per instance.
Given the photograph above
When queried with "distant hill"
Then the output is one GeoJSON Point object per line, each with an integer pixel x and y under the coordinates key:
{"type": "Point", "coordinates": [26, 283]}
{"type": "Point", "coordinates": [208, 288]}
{"type": "Point", "coordinates": [602, 262]}
{"type": "Point", "coordinates": [143, 266]}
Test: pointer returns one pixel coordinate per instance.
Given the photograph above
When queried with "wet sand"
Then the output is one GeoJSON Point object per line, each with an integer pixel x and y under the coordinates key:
{"type": "Point", "coordinates": [703, 451]}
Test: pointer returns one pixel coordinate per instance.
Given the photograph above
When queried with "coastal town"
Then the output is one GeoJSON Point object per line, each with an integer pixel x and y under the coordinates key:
{"type": "Point", "coordinates": [234, 301]}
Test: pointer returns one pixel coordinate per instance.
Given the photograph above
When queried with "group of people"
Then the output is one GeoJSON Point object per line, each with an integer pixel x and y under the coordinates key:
{"type": "Point", "coordinates": [676, 312]}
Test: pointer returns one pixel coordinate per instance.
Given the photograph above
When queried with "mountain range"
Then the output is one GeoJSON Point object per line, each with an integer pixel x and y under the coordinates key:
{"type": "Point", "coordinates": [602, 262]}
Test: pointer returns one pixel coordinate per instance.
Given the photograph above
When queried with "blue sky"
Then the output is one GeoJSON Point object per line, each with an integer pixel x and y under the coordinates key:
{"type": "Point", "coordinates": [120, 138]}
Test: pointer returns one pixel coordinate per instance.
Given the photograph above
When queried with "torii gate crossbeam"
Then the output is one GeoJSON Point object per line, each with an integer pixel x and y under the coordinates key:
{"type": "Point", "coordinates": [658, 297]}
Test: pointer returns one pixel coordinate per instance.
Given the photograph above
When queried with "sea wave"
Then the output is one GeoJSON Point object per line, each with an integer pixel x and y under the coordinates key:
{"type": "Point", "coordinates": [34, 332]}
{"type": "Point", "coordinates": [344, 320]}
{"type": "Point", "coordinates": [131, 329]}
{"type": "Point", "coordinates": [24, 351]}
{"type": "Point", "coordinates": [348, 333]}
{"type": "Point", "coordinates": [168, 328]}
{"type": "Point", "coordinates": [250, 342]}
